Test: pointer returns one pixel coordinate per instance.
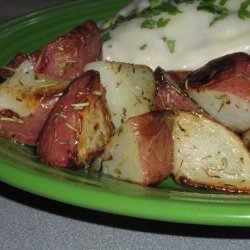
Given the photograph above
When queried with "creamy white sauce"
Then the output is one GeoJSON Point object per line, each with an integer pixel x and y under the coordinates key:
{"type": "Point", "coordinates": [196, 42]}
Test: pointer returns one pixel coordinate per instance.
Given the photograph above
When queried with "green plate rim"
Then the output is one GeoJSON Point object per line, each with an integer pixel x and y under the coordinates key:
{"type": "Point", "coordinates": [156, 204]}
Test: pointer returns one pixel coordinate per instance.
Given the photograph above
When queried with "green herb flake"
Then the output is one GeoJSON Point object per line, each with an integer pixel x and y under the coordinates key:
{"type": "Point", "coordinates": [144, 46]}
{"type": "Point", "coordinates": [149, 24]}
{"type": "Point", "coordinates": [106, 37]}
{"type": "Point", "coordinates": [244, 11]}
{"type": "Point", "coordinates": [218, 18]}
{"type": "Point", "coordinates": [210, 7]}
{"type": "Point", "coordinates": [154, 3]}
{"type": "Point", "coordinates": [156, 7]}
{"type": "Point", "coordinates": [170, 9]}
{"type": "Point", "coordinates": [171, 45]}
{"type": "Point", "coordinates": [222, 2]}
{"type": "Point", "coordinates": [162, 22]}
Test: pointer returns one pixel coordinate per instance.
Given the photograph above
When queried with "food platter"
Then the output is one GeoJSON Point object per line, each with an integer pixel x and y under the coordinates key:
{"type": "Point", "coordinates": [20, 167]}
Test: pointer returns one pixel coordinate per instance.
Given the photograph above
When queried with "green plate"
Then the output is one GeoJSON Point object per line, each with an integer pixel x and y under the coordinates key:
{"type": "Point", "coordinates": [19, 166]}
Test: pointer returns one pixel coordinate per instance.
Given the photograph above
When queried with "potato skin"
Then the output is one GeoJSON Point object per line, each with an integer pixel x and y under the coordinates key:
{"type": "Point", "coordinates": [178, 76]}
{"type": "Point", "coordinates": [219, 187]}
{"type": "Point", "coordinates": [58, 143]}
{"type": "Point", "coordinates": [169, 91]}
{"type": "Point", "coordinates": [228, 73]}
{"type": "Point", "coordinates": [153, 132]}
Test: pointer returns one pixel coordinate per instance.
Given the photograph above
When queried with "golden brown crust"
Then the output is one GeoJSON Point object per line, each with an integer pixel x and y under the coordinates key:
{"type": "Point", "coordinates": [218, 187]}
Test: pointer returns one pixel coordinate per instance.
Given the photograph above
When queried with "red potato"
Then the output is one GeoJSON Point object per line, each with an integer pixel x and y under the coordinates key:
{"type": "Point", "coordinates": [178, 76]}
{"type": "Point", "coordinates": [169, 93]}
{"type": "Point", "coordinates": [197, 150]}
{"type": "Point", "coordinates": [222, 89]}
{"type": "Point", "coordinates": [141, 149]}
{"type": "Point", "coordinates": [34, 82]}
{"type": "Point", "coordinates": [79, 126]}
{"type": "Point", "coordinates": [208, 155]}
{"type": "Point", "coordinates": [65, 57]}
{"type": "Point", "coordinates": [26, 100]}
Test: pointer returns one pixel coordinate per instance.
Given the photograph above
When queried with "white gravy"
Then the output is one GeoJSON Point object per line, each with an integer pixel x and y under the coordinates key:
{"type": "Point", "coordinates": [196, 42]}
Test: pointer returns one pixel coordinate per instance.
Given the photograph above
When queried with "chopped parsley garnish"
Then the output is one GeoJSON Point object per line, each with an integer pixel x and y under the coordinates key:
{"type": "Point", "coordinates": [217, 18]}
{"type": "Point", "coordinates": [156, 7]}
{"type": "Point", "coordinates": [162, 22]}
{"type": "Point", "coordinates": [154, 3]}
{"type": "Point", "coordinates": [169, 8]}
{"type": "Point", "coordinates": [244, 11]}
{"type": "Point", "coordinates": [106, 36]}
{"type": "Point", "coordinates": [171, 45]}
{"type": "Point", "coordinates": [144, 46]}
{"type": "Point", "coordinates": [152, 23]}
{"type": "Point", "coordinates": [222, 2]}
{"type": "Point", "coordinates": [148, 23]}
{"type": "Point", "coordinates": [209, 6]}
{"type": "Point", "coordinates": [219, 11]}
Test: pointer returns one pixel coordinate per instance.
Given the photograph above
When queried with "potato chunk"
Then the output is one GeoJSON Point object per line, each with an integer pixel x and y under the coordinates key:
{"type": "Point", "coordinates": [141, 149]}
{"type": "Point", "coordinates": [206, 154]}
{"type": "Point", "coordinates": [26, 100]}
{"type": "Point", "coordinates": [222, 89]}
{"type": "Point", "coordinates": [79, 126]}
{"type": "Point", "coordinates": [130, 89]}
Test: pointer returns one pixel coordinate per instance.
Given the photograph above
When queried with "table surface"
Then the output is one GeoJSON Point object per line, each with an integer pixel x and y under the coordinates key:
{"type": "Point", "coordinates": [31, 222]}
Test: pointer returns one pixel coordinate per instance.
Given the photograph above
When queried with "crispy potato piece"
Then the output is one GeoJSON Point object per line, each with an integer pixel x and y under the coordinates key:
{"type": "Point", "coordinates": [222, 89]}
{"type": "Point", "coordinates": [206, 154]}
{"type": "Point", "coordinates": [141, 149]}
{"type": "Point", "coordinates": [26, 100]}
{"type": "Point", "coordinates": [130, 88]}
{"type": "Point", "coordinates": [79, 126]}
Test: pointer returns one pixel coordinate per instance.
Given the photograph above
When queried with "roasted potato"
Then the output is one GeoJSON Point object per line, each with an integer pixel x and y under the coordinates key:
{"type": "Point", "coordinates": [26, 100]}
{"type": "Point", "coordinates": [78, 127]}
{"type": "Point", "coordinates": [141, 150]}
{"type": "Point", "coordinates": [130, 88]}
{"type": "Point", "coordinates": [65, 57]}
{"type": "Point", "coordinates": [222, 89]}
{"type": "Point", "coordinates": [208, 155]}
{"type": "Point", "coordinates": [34, 82]}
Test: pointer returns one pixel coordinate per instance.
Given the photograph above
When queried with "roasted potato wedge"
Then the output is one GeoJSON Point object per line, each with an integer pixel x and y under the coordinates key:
{"type": "Point", "coordinates": [141, 150]}
{"type": "Point", "coordinates": [78, 127]}
{"type": "Point", "coordinates": [208, 155]}
{"type": "Point", "coordinates": [26, 100]}
{"type": "Point", "coordinates": [222, 89]}
{"type": "Point", "coordinates": [130, 88]}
